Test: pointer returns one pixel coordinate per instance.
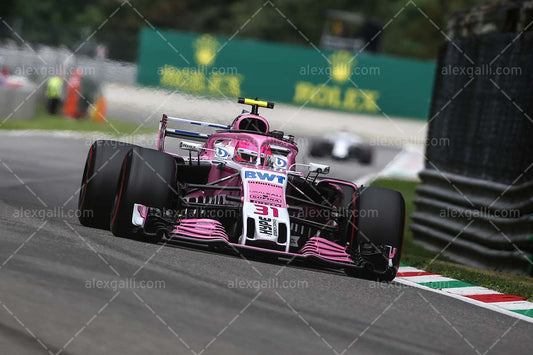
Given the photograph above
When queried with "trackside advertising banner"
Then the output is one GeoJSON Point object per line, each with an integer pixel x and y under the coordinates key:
{"type": "Point", "coordinates": [206, 65]}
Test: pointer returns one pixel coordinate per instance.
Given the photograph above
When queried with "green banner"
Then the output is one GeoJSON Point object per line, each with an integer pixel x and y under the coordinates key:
{"type": "Point", "coordinates": [339, 80]}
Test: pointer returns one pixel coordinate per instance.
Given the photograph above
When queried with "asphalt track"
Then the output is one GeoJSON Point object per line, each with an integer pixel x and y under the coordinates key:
{"type": "Point", "coordinates": [205, 302]}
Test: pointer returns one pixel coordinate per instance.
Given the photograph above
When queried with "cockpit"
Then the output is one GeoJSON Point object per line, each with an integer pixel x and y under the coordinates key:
{"type": "Point", "coordinates": [244, 151]}
{"type": "Point", "coordinates": [247, 153]}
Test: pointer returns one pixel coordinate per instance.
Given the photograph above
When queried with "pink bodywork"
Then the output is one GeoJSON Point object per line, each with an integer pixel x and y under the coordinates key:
{"type": "Point", "coordinates": [325, 249]}
{"type": "Point", "coordinates": [204, 229]}
{"type": "Point", "coordinates": [258, 140]}
{"type": "Point", "coordinates": [209, 230]}
{"type": "Point", "coordinates": [212, 231]}
{"type": "Point", "coordinates": [238, 120]}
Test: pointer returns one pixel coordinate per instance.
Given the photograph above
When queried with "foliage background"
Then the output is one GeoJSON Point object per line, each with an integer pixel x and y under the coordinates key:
{"type": "Point", "coordinates": [67, 22]}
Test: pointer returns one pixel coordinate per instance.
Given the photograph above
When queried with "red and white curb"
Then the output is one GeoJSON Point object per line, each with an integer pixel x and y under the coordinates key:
{"type": "Point", "coordinates": [514, 306]}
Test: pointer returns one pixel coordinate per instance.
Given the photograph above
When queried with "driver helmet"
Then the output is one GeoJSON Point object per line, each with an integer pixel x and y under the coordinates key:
{"type": "Point", "coordinates": [245, 152]}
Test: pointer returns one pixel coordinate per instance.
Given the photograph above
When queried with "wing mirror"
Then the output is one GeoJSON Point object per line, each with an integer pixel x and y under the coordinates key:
{"type": "Point", "coordinates": [318, 168]}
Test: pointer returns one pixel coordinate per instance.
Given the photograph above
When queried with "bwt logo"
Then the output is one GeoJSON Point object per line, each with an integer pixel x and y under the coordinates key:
{"type": "Point", "coordinates": [263, 176]}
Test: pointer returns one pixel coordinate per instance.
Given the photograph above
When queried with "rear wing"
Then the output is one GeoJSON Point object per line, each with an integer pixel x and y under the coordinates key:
{"type": "Point", "coordinates": [164, 131]}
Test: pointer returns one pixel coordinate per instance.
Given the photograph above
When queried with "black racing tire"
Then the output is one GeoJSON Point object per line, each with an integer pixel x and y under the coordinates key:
{"type": "Point", "coordinates": [354, 152]}
{"type": "Point", "coordinates": [321, 148]}
{"type": "Point", "coordinates": [147, 177]}
{"type": "Point", "coordinates": [99, 181]}
{"type": "Point", "coordinates": [380, 221]}
{"type": "Point", "coordinates": [366, 155]}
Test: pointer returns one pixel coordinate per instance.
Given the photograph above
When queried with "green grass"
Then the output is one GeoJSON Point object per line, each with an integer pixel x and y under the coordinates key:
{"type": "Point", "coordinates": [416, 256]}
{"type": "Point", "coordinates": [44, 121]}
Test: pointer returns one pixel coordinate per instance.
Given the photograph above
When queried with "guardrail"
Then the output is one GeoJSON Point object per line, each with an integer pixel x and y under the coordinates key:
{"type": "Point", "coordinates": [11, 99]}
{"type": "Point", "coordinates": [475, 222]}
{"type": "Point", "coordinates": [46, 61]}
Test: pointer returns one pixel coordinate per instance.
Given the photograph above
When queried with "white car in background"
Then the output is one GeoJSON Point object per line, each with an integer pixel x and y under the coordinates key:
{"type": "Point", "coordinates": [343, 145]}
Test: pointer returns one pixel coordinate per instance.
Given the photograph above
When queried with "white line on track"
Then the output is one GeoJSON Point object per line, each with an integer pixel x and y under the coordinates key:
{"type": "Point", "coordinates": [430, 278]}
{"type": "Point", "coordinates": [474, 290]}
{"type": "Point", "coordinates": [467, 300]}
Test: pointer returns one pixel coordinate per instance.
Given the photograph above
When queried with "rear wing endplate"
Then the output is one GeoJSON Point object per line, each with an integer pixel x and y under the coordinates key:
{"type": "Point", "coordinates": [164, 131]}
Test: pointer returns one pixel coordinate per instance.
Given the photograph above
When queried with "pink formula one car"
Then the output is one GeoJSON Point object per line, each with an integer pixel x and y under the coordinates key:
{"type": "Point", "coordinates": [239, 189]}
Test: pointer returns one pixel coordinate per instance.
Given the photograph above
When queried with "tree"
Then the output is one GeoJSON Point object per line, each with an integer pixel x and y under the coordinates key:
{"type": "Point", "coordinates": [72, 22]}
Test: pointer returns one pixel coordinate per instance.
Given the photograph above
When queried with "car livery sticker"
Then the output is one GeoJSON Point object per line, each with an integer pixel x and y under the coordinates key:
{"type": "Point", "coordinates": [256, 175]}
{"type": "Point", "coordinates": [265, 187]}
{"type": "Point", "coordinates": [221, 153]}
{"type": "Point", "coordinates": [268, 226]}
{"type": "Point", "coordinates": [265, 193]}
{"type": "Point", "coordinates": [280, 163]}
{"type": "Point", "coordinates": [264, 202]}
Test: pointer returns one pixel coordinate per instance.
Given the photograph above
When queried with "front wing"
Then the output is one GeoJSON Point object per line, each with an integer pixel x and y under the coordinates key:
{"type": "Point", "coordinates": [317, 251]}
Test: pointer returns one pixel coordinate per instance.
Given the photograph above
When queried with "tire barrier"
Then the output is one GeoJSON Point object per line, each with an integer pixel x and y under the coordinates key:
{"type": "Point", "coordinates": [475, 222]}
{"type": "Point", "coordinates": [475, 201]}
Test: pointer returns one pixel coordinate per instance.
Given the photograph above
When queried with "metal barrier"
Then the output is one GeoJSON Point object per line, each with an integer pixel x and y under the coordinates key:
{"type": "Point", "coordinates": [47, 61]}
{"type": "Point", "coordinates": [18, 103]}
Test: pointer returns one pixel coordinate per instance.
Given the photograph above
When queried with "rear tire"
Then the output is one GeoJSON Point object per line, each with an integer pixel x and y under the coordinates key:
{"type": "Point", "coordinates": [147, 177]}
{"type": "Point", "coordinates": [99, 181]}
{"type": "Point", "coordinates": [366, 155]}
{"type": "Point", "coordinates": [362, 153]}
{"type": "Point", "coordinates": [321, 149]}
{"type": "Point", "coordinates": [380, 221]}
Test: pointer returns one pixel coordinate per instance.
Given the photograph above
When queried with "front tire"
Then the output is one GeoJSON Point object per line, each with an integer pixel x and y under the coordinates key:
{"type": "Point", "coordinates": [148, 177]}
{"type": "Point", "coordinates": [100, 176]}
{"type": "Point", "coordinates": [380, 222]}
